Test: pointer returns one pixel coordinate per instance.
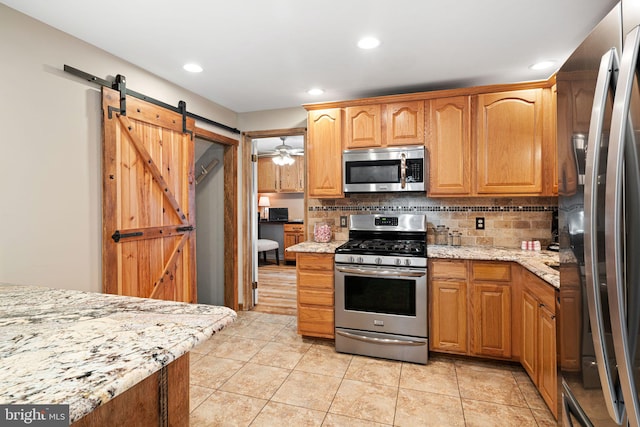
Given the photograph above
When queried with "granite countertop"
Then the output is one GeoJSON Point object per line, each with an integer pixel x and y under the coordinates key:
{"type": "Point", "coordinates": [314, 247]}
{"type": "Point", "coordinates": [83, 349]}
{"type": "Point", "coordinates": [537, 262]}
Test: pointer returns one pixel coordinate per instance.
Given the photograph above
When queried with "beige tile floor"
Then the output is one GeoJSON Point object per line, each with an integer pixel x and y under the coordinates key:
{"type": "Point", "coordinates": [260, 372]}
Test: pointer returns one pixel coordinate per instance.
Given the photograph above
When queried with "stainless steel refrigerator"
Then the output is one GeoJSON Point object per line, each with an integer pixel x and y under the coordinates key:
{"type": "Point", "coordinates": [598, 120]}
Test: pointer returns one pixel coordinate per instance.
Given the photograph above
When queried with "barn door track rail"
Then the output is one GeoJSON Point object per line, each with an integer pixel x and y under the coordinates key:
{"type": "Point", "coordinates": [120, 84]}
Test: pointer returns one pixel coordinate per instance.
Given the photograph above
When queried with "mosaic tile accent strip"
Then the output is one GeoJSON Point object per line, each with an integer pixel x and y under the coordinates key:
{"type": "Point", "coordinates": [379, 208]}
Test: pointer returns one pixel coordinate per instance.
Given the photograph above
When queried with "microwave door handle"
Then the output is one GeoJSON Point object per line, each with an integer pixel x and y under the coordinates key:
{"type": "Point", "coordinates": [403, 170]}
{"type": "Point", "coordinates": [606, 80]}
{"type": "Point", "coordinates": [619, 136]}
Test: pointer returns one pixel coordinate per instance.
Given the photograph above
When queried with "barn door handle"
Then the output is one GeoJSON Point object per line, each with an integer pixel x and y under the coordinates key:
{"type": "Point", "coordinates": [187, 228]}
{"type": "Point", "coordinates": [117, 236]}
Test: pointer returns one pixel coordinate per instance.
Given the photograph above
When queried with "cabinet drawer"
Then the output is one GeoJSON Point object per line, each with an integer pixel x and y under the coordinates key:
{"type": "Point", "coordinates": [315, 321]}
{"type": "Point", "coordinates": [315, 279]}
{"type": "Point", "coordinates": [293, 228]}
{"type": "Point", "coordinates": [543, 292]}
{"type": "Point", "coordinates": [315, 297]}
{"type": "Point", "coordinates": [495, 272]}
{"type": "Point", "coordinates": [309, 261]}
{"type": "Point", "coordinates": [449, 269]}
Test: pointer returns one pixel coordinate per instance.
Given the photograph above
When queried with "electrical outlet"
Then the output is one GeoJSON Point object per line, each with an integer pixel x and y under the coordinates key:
{"type": "Point", "coordinates": [343, 221]}
{"type": "Point", "coordinates": [479, 223]}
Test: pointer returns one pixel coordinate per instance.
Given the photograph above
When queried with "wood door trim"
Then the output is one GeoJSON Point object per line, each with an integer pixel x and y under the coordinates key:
{"type": "Point", "coordinates": [215, 137]}
{"type": "Point", "coordinates": [230, 171]}
{"type": "Point", "coordinates": [172, 261]}
{"type": "Point", "coordinates": [127, 126]}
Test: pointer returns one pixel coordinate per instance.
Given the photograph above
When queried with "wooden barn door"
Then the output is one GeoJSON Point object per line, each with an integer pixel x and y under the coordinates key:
{"type": "Point", "coordinates": [148, 210]}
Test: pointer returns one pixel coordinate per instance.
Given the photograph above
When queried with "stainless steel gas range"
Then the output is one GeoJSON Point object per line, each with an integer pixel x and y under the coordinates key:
{"type": "Point", "coordinates": [381, 288]}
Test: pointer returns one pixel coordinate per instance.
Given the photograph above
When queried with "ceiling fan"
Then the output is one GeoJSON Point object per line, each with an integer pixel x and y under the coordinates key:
{"type": "Point", "coordinates": [282, 154]}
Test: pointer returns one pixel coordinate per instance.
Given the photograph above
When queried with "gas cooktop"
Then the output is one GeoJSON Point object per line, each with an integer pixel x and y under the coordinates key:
{"type": "Point", "coordinates": [384, 247]}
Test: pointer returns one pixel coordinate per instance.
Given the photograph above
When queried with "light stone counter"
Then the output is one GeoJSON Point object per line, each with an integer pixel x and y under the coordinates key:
{"type": "Point", "coordinates": [537, 262]}
{"type": "Point", "coordinates": [319, 248]}
{"type": "Point", "coordinates": [83, 349]}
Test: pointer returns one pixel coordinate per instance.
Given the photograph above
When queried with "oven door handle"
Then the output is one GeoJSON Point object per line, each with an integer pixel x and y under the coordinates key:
{"type": "Point", "coordinates": [367, 271]}
{"type": "Point", "coordinates": [384, 341]}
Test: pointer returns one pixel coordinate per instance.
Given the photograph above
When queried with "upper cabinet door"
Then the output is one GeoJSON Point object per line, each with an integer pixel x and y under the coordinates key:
{"type": "Point", "coordinates": [268, 176]}
{"type": "Point", "coordinates": [324, 154]}
{"type": "Point", "coordinates": [449, 146]}
{"type": "Point", "coordinates": [405, 123]}
{"type": "Point", "coordinates": [363, 127]}
{"type": "Point", "coordinates": [509, 142]}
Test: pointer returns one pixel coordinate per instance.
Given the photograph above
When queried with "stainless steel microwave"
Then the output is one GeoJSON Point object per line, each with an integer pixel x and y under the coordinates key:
{"type": "Point", "coordinates": [383, 169]}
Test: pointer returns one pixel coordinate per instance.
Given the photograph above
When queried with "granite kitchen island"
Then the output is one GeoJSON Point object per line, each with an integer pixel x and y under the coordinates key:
{"type": "Point", "coordinates": [103, 355]}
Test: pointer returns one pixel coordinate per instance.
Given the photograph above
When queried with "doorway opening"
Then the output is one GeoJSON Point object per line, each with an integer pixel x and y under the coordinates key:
{"type": "Point", "coordinates": [226, 154]}
{"type": "Point", "coordinates": [275, 202]}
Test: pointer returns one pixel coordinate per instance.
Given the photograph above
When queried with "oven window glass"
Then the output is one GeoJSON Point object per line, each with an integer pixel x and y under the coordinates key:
{"type": "Point", "coordinates": [379, 171]}
{"type": "Point", "coordinates": [380, 295]}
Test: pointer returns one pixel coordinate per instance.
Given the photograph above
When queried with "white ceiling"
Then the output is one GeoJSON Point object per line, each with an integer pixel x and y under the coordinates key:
{"type": "Point", "coordinates": [265, 54]}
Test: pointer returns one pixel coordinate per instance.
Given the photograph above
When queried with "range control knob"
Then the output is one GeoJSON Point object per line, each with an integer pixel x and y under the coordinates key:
{"type": "Point", "coordinates": [360, 260]}
{"type": "Point", "coordinates": [407, 261]}
{"type": "Point", "coordinates": [351, 259]}
{"type": "Point", "coordinates": [378, 260]}
{"type": "Point", "coordinates": [398, 261]}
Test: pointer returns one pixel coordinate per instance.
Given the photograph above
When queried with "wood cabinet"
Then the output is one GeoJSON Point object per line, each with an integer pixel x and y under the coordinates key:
{"type": "Point", "coordinates": [280, 179]}
{"type": "Point", "coordinates": [550, 147]}
{"type": "Point", "coordinates": [363, 127]}
{"type": "Point", "coordinates": [382, 125]}
{"type": "Point", "coordinates": [268, 176]}
{"type": "Point", "coordinates": [538, 355]}
{"type": "Point", "coordinates": [489, 141]}
{"type": "Point", "coordinates": [570, 322]}
{"type": "Point", "coordinates": [292, 176]}
{"type": "Point", "coordinates": [315, 285]}
{"type": "Point", "coordinates": [293, 234]}
{"type": "Point", "coordinates": [324, 154]}
{"type": "Point", "coordinates": [509, 139]}
{"type": "Point", "coordinates": [470, 305]}
{"type": "Point", "coordinates": [491, 313]}
{"type": "Point", "coordinates": [448, 306]}
{"type": "Point", "coordinates": [449, 146]}
{"type": "Point", "coordinates": [405, 123]}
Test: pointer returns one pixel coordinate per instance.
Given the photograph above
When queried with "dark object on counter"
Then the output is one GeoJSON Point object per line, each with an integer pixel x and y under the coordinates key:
{"type": "Point", "coordinates": [555, 247]}
{"type": "Point", "coordinates": [279, 214]}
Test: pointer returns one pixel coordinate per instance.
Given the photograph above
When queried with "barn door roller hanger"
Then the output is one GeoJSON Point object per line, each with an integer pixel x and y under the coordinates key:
{"type": "Point", "coordinates": [120, 84]}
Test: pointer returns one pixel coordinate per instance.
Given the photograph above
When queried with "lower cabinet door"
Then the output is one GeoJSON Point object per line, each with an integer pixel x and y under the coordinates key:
{"type": "Point", "coordinates": [449, 316]}
{"type": "Point", "coordinates": [492, 320]}
{"type": "Point", "coordinates": [529, 356]}
{"type": "Point", "coordinates": [547, 377]}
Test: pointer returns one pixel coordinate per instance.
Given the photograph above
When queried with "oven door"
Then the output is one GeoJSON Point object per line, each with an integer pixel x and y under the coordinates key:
{"type": "Point", "coordinates": [384, 299]}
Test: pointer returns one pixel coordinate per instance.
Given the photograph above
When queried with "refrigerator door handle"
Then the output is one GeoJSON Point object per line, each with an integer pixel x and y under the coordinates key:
{"type": "Point", "coordinates": [616, 285]}
{"type": "Point", "coordinates": [607, 76]}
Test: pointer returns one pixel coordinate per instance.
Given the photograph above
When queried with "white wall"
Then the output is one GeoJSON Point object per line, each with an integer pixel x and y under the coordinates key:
{"type": "Point", "coordinates": [50, 149]}
{"type": "Point", "coordinates": [285, 118]}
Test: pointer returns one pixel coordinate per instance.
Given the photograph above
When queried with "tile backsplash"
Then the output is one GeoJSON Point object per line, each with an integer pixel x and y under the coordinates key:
{"type": "Point", "coordinates": [508, 221]}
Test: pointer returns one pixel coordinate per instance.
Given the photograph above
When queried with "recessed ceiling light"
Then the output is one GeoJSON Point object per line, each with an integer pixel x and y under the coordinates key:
{"type": "Point", "coordinates": [542, 65]}
{"type": "Point", "coordinates": [368, 43]}
{"type": "Point", "coordinates": [192, 68]}
{"type": "Point", "coordinates": [315, 91]}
